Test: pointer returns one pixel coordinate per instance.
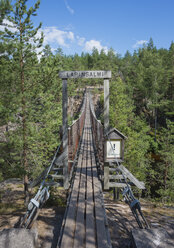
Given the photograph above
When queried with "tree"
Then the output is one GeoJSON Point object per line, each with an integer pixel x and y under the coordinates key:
{"type": "Point", "coordinates": [170, 92]}
{"type": "Point", "coordinates": [122, 117]}
{"type": "Point", "coordinates": [20, 33]}
{"type": "Point", "coordinates": [5, 7]}
{"type": "Point", "coordinates": [166, 163]}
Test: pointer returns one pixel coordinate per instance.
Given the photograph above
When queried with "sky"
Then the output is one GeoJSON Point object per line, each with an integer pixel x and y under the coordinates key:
{"type": "Point", "coordinates": [77, 26]}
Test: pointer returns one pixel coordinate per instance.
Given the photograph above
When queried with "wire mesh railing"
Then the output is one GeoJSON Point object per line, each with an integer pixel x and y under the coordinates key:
{"type": "Point", "coordinates": [75, 132]}
{"type": "Point", "coordinates": [98, 137]}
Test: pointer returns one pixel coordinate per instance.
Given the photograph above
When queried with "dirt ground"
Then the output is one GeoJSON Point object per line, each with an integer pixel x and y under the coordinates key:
{"type": "Point", "coordinates": [12, 208]}
{"type": "Point", "coordinates": [120, 219]}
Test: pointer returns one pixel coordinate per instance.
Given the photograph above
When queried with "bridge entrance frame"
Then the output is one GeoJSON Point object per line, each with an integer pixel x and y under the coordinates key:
{"type": "Point", "coordinates": [65, 75]}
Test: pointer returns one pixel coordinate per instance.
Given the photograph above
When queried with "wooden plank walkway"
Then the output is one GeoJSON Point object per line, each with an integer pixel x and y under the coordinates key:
{"type": "Point", "coordinates": [86, 223]}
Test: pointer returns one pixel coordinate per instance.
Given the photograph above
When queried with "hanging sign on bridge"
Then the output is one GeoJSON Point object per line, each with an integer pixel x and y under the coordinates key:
{"type": "Point", "coordinates": [84, 74]}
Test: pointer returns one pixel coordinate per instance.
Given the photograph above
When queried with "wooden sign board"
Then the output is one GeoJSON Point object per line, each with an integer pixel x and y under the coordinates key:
{"type": "Point", "coordinates": [113, 149]}
{"type": "Point", "coordinates": [84, 74]}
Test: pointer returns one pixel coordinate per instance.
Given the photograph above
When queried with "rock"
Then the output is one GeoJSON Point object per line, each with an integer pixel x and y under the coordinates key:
{"type": "Point", "coordinates": [151, 238]}
{"type": "Point", "coordinates": [18, 238]}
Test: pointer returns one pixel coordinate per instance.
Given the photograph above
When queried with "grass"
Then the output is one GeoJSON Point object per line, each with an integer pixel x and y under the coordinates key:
{"type": "Point", "coordinates": [20, 186]}
{"type": "Point", "coordinates": [10, 208]}
{"type": "Point", "coordinates": [57, 198]}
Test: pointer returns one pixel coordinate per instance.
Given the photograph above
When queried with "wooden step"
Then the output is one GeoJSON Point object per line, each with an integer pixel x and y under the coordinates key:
{"type": "Point", "coordinates": [116, 177]}
{"type": "Point", "coordinates": [117, 185]}
{"type": "Point", "coordinates": [56, 176]}
{"type": "Point", "coordinates": [57, 169]}
{"type": "Point", "coordinates": [54, 184]}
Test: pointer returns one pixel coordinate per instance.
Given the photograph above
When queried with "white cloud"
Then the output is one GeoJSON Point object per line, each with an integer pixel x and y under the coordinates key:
{"type": "Point", "coordinates": [68, 40]}
{"type": "Point", "coordinates": [68, 7]}
{"type": "Point", "coordinates": [59, 37]}
{"type": "Point", "coordinates": [70, 35]}
{"type": "Point", "coordinates": [80, 40]}
{"type": "Point", "coordinates": [89, 45]}
{"type": "Point", "coordinates": [9, 25]}
{"type": "Point", "coordinates": [139, 43]}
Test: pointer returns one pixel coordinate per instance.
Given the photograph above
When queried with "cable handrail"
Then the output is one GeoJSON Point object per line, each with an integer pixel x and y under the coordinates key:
{"type": "Point", "coordinates": [75, 132]}
{"type": "Point", "coordinates": [97, 132]}
{"type": "Point", "coordinates": [81, 111]}
{"type": "Point", "coordinates": [127, 193]}
{"type": "Point", "coordinates": [92, 109]}
{"type": "Point", "coordinates": [41, 196]}
{"type": "Point", "coordinates": [45, 173]}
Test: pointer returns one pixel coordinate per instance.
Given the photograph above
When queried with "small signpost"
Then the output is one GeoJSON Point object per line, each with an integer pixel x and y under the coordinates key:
{"type": "Point", "coordinates": [80, 74]}
{"type": "Point", "coordinates": [113, 151]}
{"type": "Point", "coordinates": [114, 145]}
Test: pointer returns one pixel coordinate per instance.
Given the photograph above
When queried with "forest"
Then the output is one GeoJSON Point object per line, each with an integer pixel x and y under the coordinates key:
{"type": "Point", "coordinates": [141, 101]}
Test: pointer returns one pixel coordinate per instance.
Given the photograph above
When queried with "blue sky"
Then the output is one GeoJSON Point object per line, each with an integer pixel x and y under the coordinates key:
{"type": "Point", "coordinates": [79, 25]}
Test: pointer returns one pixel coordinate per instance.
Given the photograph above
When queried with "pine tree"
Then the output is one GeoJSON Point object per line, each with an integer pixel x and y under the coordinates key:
{"type": "Point", "coordinates": [166, 163]}
{"type": "Point", "coordinates": [20, 33]}
{"type": "Point", "coordinates": [5, 7]}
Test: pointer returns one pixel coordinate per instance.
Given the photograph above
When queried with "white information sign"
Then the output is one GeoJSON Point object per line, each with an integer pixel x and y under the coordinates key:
{"type": "Point", "coordinates": [84, 74]}
{"type": "Point", "coordinates": [114, 149]}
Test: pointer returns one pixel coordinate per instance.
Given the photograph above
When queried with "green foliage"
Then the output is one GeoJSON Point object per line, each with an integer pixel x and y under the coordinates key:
{"type": "Point", "coordinates": [120, 106]}
{"type": "Point", "coordinates": [141, 101]}
{"type": "Point", "coordinates": [166, 163]}
{"type": "Point", "coordinates": [5, 7]}
{"type": "Point", "coordinates": [123, 118]}
{"type": "Point", "coordinates": [148, 76]}
{"type": "Point", "coordinates": [57, 198]}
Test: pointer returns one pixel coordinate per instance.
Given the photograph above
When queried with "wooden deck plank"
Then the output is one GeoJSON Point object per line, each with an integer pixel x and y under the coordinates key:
{"type": "Point", "coordinates": [79, 235]}
{"type": "Point", "coordinates": [99, 211]}
{"type": "Point", "coordinates": [68, 234]}
{"type": "Point", "coordinates": [90, 219]}
{"type": "Point", "coordinates": [101, 228]}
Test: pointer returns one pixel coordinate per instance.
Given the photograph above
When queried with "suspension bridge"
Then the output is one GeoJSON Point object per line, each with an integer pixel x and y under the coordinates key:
{"type": "Point", "coordinates": [88, 161]}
